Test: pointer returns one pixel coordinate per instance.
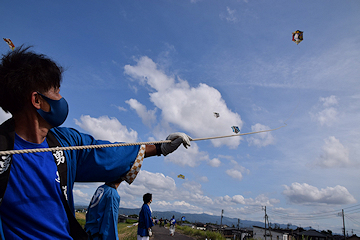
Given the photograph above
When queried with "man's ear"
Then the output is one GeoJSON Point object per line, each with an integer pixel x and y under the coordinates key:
{"type": "Point", "coordinates": [36, 100]}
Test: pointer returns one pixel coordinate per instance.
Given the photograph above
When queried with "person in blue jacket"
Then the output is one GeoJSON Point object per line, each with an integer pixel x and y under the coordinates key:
{"type": "Point", "coordinates": [36, 188]}
{"type": "Point", "coordinates": [145, 219]}
{"type": "Point", "coordinates": [103, 213]}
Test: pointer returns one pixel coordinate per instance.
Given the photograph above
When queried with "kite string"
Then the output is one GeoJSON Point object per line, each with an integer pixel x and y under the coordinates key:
{"type": "Point", "coordinates": [35, 150]}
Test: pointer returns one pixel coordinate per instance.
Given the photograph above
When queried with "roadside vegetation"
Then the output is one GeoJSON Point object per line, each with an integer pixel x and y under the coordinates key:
{"type": "Point", "coordinates": [199, 234]}
{"type": "Point", "coordinates": [127, 231]}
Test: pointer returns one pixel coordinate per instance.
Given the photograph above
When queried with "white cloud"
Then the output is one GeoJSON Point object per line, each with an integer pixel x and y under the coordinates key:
{"type": "Point", "coordinates": [306, 194]}
{"type": "Point", "coordinates": [215, 162]}
{"type": "Point", "coordinates": [234, 174]}
{"type": "Point", "coordinates": [334, 154]}
{"type": "Point", "coordinates": [329, 101]}
{"type": "Point", "coordinates": [236, 171]}
{"type": "Point", "coordinates": [158, 184]}
{"type": "Point", "coordinates": [325, 113]}
{"type": "Point", "coordinates": [148, 117]}
{"type": "Point", "coordinates": [81, 197]}
{"type": "Point", "coordinates": [121, 109]}
{"type": "Point", "coordinates": [188, 108]}
{"type": "Point", "coordinates": [260, 139]}
{"type": "Point", "coordinates": [106, 128]}
{"type": "Point", "coordinates": [204, 179]}
{"type": "Point", "coordinates": [191, 157]}
{"type": "Point", "coordinates": [260, 200]}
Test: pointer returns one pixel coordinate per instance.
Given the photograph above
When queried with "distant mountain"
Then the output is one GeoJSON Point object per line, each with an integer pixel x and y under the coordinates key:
{"type": "Point", "coordinates": [203, 218]}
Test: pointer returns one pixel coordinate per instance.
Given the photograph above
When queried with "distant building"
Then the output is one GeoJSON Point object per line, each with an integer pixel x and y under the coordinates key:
{"type": "Point", "coordinates": [353, 237]}
{"type": "Point", "coordinates": [259, 234]}
{"type": "Point", "coordinates": [289, 234]}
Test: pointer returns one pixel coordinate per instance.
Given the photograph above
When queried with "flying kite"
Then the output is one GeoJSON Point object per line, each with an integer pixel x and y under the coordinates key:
{"type": "Point", "coordinates": [181, 176]}
{"type": "Point", "coordinates": [297, 36]}
{"type": "Point", "coordinates": [235, 129]}
{"type": "Point", "coordinates": [216, 114]}
{"type": "Point", "coordinates": [10, 43]}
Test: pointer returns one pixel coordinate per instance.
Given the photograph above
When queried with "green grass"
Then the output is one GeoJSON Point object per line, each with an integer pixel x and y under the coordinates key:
{"type": "Point", "coordinates": [199, 234]}
{"type": "Point", "coordinates": [128, 232]}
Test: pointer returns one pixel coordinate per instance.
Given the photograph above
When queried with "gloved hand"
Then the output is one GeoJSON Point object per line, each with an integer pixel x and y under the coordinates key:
{"type": "Point", "coordinates": [176, 140]}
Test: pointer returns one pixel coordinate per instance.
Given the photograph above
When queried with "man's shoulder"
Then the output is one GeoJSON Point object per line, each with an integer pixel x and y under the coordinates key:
{"type": "Point", "coordinates": [67, 136]}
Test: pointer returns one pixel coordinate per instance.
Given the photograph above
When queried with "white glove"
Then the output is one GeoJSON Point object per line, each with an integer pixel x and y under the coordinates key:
{"type": "Point", "coordinates": [176, 140]}
{"type": "Point", "coordinates": [150, 232]}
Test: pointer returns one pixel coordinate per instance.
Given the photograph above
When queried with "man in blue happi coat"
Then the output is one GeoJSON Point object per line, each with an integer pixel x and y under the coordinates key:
{"type": "Point", "coordinates": [103, 213]}
{"type": "Point", "coordinates": [38, 202]}
{"type": "Point", "coordinates": [145, 219]}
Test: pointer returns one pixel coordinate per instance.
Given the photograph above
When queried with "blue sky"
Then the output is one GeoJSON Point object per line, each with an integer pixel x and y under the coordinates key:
{"type": "Point", "coordinates": [140, 70]}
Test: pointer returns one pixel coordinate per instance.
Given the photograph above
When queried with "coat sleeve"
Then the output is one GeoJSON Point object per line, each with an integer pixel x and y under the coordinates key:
{"type": "Point", "coordinates": [148, 219]}
{"type": "Point", "coordinates": [98, 164]}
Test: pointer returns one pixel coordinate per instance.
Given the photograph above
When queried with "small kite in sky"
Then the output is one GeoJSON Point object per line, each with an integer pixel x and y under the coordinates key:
{"type": "Point", "coordinates": [235, 129]}
{"type": "Point", "coordinates": [181, 176]}
{"type": "Point", "coordinates": [216, 114]}
{"type": "Point", "coordinates": [297, 36]}
{"type": "Point", "coordinates": [10, 43]}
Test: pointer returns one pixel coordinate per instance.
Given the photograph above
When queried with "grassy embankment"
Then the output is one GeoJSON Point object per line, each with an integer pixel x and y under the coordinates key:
{"type": "Point", "coordinates": [199, 234]}
{"type": "Point", "coordinates": [128, 232]}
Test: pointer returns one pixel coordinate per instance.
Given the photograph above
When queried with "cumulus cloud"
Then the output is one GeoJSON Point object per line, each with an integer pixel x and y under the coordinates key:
{"type": "Point", "coordinates": [215, 162]}
{"type": "Point", "coordinates": [204, 179]}
{"type": "Point", "coordinates": [185, 197]}
{"type": "Point", "coordinates": [81, 197]}
{"type": "Point", "coordinates": [304, 193]}
{"type": "Point", "coordinates": [106, 128]}
{"type": "Point", "coordinates": [234, 174]}
{"type": "Point", "coordinates": [191, 157]}
{"type": "Point", "coordinates": [236, 171]}
{"type": "Point", "coordinates": [334, 154]}
{"type": "Point", "coordinates": [329, 101]}
{"type": "Point", "coordinates": [121, 109]}
{"type": "Point", "coordinates": [148, 117]}
{"type": "Point", "coordinates": [186, 107]}
{"type": "Point", "coordinates": [260, 200]}
{"type": "Point", "coordinates": [325, 113]}
{"type": "Point", "coordinates": [260, 139]}
{"type": "Point", "coordinates": [164, 189]}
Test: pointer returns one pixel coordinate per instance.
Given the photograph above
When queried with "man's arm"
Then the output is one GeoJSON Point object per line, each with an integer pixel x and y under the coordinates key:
{"type": "Point", "coordinates": [150, 150]}
{"type": "Point", "coordinates": [165, 148]}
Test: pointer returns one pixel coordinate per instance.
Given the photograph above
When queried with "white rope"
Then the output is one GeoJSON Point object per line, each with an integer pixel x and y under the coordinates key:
{"type": "Point", "coordinates": [9, 152]}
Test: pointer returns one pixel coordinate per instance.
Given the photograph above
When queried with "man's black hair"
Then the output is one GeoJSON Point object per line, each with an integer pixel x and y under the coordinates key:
{"type": "Point", "coordinates": [23, 72]}
{"type": "Point", "coordinates": [147, 197]}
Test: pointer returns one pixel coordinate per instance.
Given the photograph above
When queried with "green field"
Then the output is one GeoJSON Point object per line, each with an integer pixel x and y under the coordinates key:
{"type": "Point", "coordinates": [128, 232]}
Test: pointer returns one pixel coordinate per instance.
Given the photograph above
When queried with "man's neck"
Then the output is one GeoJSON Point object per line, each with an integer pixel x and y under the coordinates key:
{"type": "Point", "coordinates": [30, 128]}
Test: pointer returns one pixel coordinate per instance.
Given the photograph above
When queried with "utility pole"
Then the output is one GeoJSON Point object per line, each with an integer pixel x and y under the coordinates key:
{"type": "Point", "coordinates": [222, 212]}
{"type": "Point", "coordinates": [343, 223]}
{"type": "Point", "coordinates": [265, 221]}
{"type": "Point", "coordinates": [238, 223]}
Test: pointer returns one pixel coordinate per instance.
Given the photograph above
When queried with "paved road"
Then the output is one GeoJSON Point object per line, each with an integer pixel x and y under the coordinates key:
{"type": "Point", "coordinates": [162, 233]}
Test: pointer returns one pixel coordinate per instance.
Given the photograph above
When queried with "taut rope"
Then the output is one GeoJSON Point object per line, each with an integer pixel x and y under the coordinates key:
{"type": "Point", "coordinates": [3, 153]}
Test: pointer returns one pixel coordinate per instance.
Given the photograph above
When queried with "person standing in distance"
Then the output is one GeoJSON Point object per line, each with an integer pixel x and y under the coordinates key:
{"type": "Point", "coordinates": [145, 219]}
